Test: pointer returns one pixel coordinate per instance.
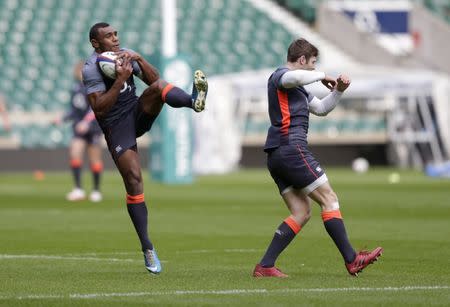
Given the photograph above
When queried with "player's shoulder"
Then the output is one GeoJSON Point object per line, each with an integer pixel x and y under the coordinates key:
{"type": "Point", "coordinates": [90, 68]}
{"type": "Point", "coordinates": [90, 62]}
{"type": "Point", "coordinates": [279, 71]}
{"type": "Point", "coordinates": [276, 75]}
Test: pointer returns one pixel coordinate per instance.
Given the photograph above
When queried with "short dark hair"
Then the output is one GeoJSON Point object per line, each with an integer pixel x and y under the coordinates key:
{"type": "Point", "coordinates": [93, 32]}
{"type": "Point", "coordinates": [301, 47]}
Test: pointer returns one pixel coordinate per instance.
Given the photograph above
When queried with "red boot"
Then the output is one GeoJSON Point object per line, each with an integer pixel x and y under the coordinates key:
{"type": "Point", "coordinates": [261, 271]}
{"type": "Point", "coordinates": [363, 259]}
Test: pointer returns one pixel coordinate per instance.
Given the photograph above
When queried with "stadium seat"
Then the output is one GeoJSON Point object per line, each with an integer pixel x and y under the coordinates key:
{"type": "Point", "coordinates": [305, 9]}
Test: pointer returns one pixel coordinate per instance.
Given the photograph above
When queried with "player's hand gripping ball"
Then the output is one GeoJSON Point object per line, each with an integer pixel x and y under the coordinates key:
{"type": "Point", "coordinates": [107, 63]}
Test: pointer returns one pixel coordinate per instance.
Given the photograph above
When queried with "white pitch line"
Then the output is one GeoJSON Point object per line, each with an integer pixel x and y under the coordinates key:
{"type": "Point", "coordinates": [95, 254]}
{"type": "Point", "coordinates": [243, 250]}
{"type": "Point", "coordinates": [222, 292]}
{"type": "Point", "coordinates": [227, 250]}
{"type": "Point", "coordinates": [58, 257]}
{"type": "Point", "coordinates": [92, 256]}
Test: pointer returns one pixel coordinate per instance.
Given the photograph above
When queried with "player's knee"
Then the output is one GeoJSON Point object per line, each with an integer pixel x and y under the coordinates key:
{"type": "Point", "coordinates": [154, 90]}
{"type": "Point", "coordinates": [157, 86]}
{"type": "Point", "coordinates": [302, 217]}
{"type": "Point", "coordinates": [306, 217]}
{"type": "Point", "coordinates": [150, 100]}
{"type": "Point", "coordinates": [133, 178]}
{"type": "Point", "coordinates": [331, 202]}
{"type": "Point", "coordinates": [151, 91]}
{"type": "Point", "coordinates": [332, 197]}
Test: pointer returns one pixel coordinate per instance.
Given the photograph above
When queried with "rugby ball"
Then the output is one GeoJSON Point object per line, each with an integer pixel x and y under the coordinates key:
{"type": "Point", "coordinates": [107, 63]}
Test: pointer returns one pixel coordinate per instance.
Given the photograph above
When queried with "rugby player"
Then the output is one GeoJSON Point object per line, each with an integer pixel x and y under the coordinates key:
{"type": "Point", "coordinates": [294, 169]}
{"type": "Point", "coordinates": [123, 117]}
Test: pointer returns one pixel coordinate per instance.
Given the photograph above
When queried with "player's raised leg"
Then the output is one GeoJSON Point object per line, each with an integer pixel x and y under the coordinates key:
{"type": "Point", "coordinates": [177, 98]}
{"type": "Point", "coordinates": [161, 92]}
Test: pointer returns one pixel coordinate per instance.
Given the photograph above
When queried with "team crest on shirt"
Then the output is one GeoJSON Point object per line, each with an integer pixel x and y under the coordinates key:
{"type": "Point", "coordinates": [125, 87]}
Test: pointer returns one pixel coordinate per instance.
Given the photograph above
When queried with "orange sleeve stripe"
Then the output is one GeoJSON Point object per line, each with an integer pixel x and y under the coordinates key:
{"type": "Point", "coordinates": [165, 90]}
{"type": "Point", "coordinates": [293, 224]}
{"type": "Point", "coordinates": [97, 167]}
{"type": "Point", "coordinates": [285, 113]}
{"type": "Point", "coordinates": [75, 162]}
{"type": "Point", "coordinates": [328, 215]}
{"type": "Point", "coordinates": [135, 199]}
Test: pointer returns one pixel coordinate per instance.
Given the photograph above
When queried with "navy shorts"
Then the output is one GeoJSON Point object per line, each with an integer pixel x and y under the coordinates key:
{"type": "Point", "coordinates": [293, 166]}
{"type": "Point", "coordinates": [123, 133]}
{"type": "Point", "coordinates": [92, 137]}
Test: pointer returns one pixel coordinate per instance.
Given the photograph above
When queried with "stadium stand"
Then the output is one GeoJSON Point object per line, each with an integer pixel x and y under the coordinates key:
{"type": "Point", "coordinates": [50, 36]}
{"type": "Point", "coordinates": [305, 9]}
{"type": "Point", "coordinates": [43, 39]}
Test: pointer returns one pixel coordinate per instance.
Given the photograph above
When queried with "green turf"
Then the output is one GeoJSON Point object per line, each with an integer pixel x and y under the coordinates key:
{"type": "Point", "coordinates": [210, 235]}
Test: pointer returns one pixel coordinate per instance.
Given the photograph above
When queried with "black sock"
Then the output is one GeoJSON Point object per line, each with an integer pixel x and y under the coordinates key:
{"type": "Point", "coordinates": [138, 214]}
{"type": "Point", "coordinates": [177, 98]}
{"type": "Point", "coordinates": [76, 172]}
{"type": "Point", "coordinates": [96, 178]}
{"type": "Point", "coordinates": [281, 239]}
{"type": "Point", "coordinates": [96, 168]}
{"type": "Point", "coordinates": [336, 229]}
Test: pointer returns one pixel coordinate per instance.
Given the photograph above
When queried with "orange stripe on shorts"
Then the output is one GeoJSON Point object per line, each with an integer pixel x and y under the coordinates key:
{"type": "Point", "coordinates": [328, 215]}
{"type": "Point", "coordinates": [292, 224]}
{"type": "Point", "coordinates": [165, 90]}
{"type": "Point", "coordinates": [135, 199]}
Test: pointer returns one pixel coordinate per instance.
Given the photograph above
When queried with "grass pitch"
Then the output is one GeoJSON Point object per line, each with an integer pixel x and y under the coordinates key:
{"type": "Point", "coordinates": [209, 235]}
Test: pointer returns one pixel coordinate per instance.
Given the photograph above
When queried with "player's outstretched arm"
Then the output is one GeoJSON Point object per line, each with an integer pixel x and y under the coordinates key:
{"type": "Point", "coordinates": [322, 107]}
{"type": "Point", "coordinates": [149, 73]}
{"type": "Point", "coordinates": [294, 78]}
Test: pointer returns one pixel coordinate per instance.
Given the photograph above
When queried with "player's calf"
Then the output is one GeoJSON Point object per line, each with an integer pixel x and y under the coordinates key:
{"type": "Point", "coordinates": [177, 98]}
